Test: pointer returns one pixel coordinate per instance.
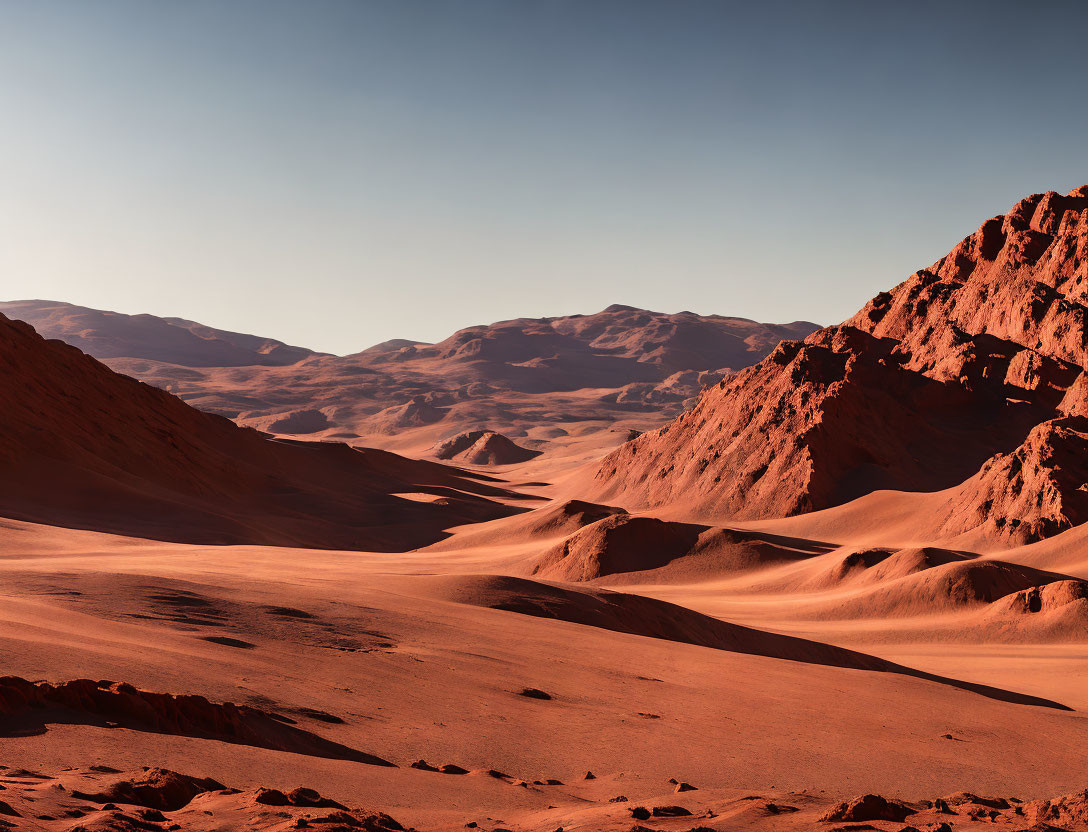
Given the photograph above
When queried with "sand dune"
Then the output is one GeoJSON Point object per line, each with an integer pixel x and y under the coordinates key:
{"type": "Point", "coordinates": [628, 547]}
{"type": "Point", "coordinates": [415, 666]}
{"type": "Point", "coordinates": [638, 615]}
{"type": "Point", "coordinates": [1052, 612]}
{"type": "Point", "coordinates": [936, 589]}
{"type": "Point", "coordinates": [482, 447]}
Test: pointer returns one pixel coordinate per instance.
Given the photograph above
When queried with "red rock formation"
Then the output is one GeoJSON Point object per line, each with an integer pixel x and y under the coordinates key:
{"type": "Point", "coordinates": [869, 807]}
{"type": "Point", "coordinates": [817, 423]}
{"type": "Point", "coordinates": [934, 384]}
{"type": "Point", "coordinates": [1067, 812]}
{"type": "Point", "coordinates": [1036, 491]}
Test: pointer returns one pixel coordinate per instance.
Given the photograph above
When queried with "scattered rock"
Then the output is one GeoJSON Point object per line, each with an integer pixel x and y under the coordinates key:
{"type": "Point", "coordinates": [777, 809]}
{"type": "Point", "coordinates": [311, 799]}
{"type": "Point", "coordinates": [670, 812]}
{"type": "Point", "coordinates": [534, 693]}
{"type": "Point", "coordinates": [271, 797]}
{"type": "Point", "coordinates": [869, 807]}
{"type": "Point", "coordinates": [157, 788]}
{"type": "Point", "coordinates": [968, 798]}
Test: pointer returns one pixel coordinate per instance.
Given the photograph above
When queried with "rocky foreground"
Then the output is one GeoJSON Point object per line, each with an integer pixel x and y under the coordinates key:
{"type": "Point", "coordinates": [103, 799]}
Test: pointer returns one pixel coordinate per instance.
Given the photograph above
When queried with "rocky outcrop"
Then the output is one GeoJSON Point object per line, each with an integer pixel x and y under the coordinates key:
{"type": "Point", "coordinates": [100, 798]}
{"type": "Point", "coordinates": [968, 375]}
{"type": "Point", "coordinates": [869, 807]}
{"type": "Point", "coordinates": [1036, 491]}
{"type": "Point", "coordinates": [816, 424]}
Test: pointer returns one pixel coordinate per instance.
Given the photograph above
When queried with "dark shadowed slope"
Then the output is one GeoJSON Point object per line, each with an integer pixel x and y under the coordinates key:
{"type": "Point", "coordinates": [639, 615]}
{"type": "Point", "coordinates": [86, 447]}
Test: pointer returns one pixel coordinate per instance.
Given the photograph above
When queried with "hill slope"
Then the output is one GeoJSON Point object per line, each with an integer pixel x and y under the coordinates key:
{"type": "Point", "coordinates": [86, 447]}
{"type": "Point", "coordinates": [108, 335]}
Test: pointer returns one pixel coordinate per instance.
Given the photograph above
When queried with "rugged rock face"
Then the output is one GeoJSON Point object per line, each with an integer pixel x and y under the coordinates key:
{"type": "Point", "coordinates": [1067, 812]}
{"type": "Point", "coordinates": [89, 448]}
{"type": "Point", "coordinates": [967, 374]}
{"type": "Point", "coordinates": [1020, 278]}
{"type": "Point", "coordinates": [816, 424]}
{"type": "Point", "coordinates": [1035, 491]}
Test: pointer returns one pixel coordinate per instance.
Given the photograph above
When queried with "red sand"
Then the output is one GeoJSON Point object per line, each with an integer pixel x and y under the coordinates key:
{"type": "Point", "coordinates": [847, 590]}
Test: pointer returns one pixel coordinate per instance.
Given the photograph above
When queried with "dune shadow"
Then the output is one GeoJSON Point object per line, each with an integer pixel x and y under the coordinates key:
{"type": "Point", "coordinates": [652, 618]}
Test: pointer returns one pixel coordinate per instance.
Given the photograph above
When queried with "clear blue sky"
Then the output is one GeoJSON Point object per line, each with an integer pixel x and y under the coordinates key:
{"type": "Point", "coordinates": [338, 172]}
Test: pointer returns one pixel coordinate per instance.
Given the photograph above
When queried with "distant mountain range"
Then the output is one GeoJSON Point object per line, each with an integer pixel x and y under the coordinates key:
{"type": "Point", "coordinates": [85, 447]}
{"type": "Point", "coordinates": [538, 380]}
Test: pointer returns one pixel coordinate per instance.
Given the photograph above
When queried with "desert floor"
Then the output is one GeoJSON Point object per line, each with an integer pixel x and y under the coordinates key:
{"type": "Point", "coordinates": [413, 657]}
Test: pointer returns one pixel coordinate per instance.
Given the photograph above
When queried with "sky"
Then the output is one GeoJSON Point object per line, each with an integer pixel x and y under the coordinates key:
{"type": "Point", "coordinates": [334, 173]}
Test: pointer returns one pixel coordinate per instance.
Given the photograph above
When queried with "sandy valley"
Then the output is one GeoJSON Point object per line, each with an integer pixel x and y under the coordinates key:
{"type": "Point", "coordinates": [845, 586]}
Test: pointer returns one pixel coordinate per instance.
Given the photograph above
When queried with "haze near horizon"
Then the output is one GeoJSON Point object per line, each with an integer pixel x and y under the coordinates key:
{"type": "Point", "coordinates": [335, 174]}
